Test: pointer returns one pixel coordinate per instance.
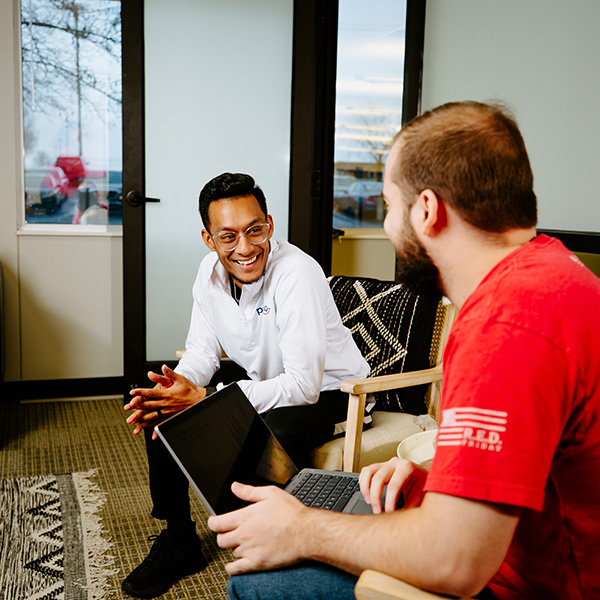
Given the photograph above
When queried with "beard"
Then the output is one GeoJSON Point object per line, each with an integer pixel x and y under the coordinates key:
{"type": "Point", "coordinates": [414, 268]}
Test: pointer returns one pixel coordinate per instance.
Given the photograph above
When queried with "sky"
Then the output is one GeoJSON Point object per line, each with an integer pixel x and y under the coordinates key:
{"type": "Point", "coordinates": [56, 127]}
{"type": "Point", "coordinates": [369, 74]}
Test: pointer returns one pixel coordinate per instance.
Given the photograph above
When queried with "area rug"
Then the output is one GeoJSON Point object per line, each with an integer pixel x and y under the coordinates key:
{"type": "Point", "coordinates": [52, 542]}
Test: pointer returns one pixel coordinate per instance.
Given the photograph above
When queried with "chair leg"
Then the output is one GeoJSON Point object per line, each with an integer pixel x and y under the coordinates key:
{"type": "Point", "coordinates": [434, 402]}
{"type": "Point", "coordinates": [354, 429]}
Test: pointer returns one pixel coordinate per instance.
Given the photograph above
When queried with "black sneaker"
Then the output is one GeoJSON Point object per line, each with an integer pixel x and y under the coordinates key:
{"type": "Point", "coordinates": [165, 564]}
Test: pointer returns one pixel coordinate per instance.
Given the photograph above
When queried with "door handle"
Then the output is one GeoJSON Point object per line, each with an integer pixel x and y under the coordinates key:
{"type": "Point", "coordinates": [135, 198]}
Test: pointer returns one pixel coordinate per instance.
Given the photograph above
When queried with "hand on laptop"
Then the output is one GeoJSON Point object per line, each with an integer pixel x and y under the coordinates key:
{"type": "Point", "coordinates": [171, 394]}
{"type": "Point", "coordinates": [260, 534]}
{"type": "Point", "coordinates": [398, 475]}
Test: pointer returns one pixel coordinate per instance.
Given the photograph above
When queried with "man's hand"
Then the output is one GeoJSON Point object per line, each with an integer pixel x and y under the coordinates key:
{"type": "Point", "coordinates": [466, 540]}
{"type": "Point", "coordinates": [171, 394]}
{"type": "Point", "coordinates": [261, 534]}
{"type": "Point", "coordinates": [399, 475]}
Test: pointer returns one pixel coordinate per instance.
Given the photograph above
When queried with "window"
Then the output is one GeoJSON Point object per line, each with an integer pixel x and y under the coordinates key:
{"type": "Point", "coordinates": [71, 61]}
{"type": "Point", "coordinates": [370, 67]}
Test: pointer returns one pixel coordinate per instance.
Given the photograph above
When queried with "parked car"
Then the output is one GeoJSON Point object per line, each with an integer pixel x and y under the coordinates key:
{"type": "Point", "coordinates": [341, 184]}
{"type": "Point", "coordinates": [74, 170]}
{"type": "Point", "coordinates": [115, 194]}
{"type": "Point", "coordinates": [100, 198]}
{"type": "Point", "coordinates": [363, 196]}
{"type": "Point", "coordinates": [46, 189]}
{"type": "Point", "coordinates": [108, 189]}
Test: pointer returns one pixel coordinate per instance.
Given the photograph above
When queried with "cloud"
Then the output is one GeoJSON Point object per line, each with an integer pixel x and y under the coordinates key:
{"type": "Point", "coordinates": [388, 48]}
{"type": "Point", "coordinates": [370, 87]}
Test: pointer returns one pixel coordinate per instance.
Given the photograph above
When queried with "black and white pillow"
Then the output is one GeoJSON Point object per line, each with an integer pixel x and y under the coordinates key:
{"type": "Point", "coordinates": [393, 329]}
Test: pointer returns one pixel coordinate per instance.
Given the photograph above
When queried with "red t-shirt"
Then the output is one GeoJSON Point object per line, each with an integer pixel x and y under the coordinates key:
{"type": "Point", "coordinates": [520, 420]}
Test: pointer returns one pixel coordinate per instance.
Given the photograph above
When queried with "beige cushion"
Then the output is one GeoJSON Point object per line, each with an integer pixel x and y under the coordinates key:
{"type": "Point", "coordinates": [379, 443]}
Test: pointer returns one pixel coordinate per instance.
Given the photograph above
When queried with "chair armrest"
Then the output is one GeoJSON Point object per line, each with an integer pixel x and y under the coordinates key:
{"type": "Point", "coordinates": [391, 382]}
{"type": "Point", "coordinates": [373, 585]}
{"type": "Point", "coordinates": [358, 389]}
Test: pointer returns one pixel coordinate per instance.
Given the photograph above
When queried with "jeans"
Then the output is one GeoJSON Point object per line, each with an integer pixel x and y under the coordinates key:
{"type": "Point", "coordinates": [305, 581]}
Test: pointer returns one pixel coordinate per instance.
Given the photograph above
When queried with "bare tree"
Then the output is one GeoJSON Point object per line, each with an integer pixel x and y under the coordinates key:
{"type": "Point", "coordinates": [371, 132]}
{"type": "Point", "coordinates": [69, 53]}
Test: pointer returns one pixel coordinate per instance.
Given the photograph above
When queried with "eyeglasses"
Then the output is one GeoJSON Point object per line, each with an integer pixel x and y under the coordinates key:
{"type": "Point", "coordinates": [228, 241]}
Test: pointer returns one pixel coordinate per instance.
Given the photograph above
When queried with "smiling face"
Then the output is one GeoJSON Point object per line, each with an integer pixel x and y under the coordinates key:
{"type": "Point", "coordinates": [247, 262]}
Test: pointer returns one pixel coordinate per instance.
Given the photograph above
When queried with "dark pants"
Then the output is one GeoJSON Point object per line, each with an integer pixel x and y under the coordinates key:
{"type": "Point", "coordinates": [299, 429]}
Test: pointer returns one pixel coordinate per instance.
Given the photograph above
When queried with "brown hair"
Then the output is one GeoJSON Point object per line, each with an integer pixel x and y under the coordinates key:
{"type": "Point", "coordinates": [473, 156]}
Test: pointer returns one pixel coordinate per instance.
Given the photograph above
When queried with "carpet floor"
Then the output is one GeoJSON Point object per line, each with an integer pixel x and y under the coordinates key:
{"type": "Point", "coordinates": [42, 438]}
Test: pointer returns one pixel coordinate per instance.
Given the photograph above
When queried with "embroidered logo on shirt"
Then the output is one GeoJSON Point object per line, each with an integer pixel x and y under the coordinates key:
{"type": "Point", "coordinates": [472, 427]}
{"type": "Point", "coordinates": [263, 310]}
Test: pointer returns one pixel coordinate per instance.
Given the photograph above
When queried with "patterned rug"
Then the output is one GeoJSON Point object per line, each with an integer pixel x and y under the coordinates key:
{"type": "Point", "coordinates": [52, 542]}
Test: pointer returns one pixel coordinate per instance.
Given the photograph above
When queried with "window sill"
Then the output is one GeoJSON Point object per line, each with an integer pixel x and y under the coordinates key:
{"type": "Point", "coordinates": [72, 230]}
{"type": "Point", "coordinates": [375, 233]}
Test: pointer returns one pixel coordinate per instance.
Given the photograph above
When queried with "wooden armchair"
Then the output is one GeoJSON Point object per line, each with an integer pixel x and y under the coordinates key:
{"type": "Point", "coordinates": [402, 336]}
{"type": "Point", "coordinates": [373, 585]}
{"type": "Point", "coordinates": [389, 426]}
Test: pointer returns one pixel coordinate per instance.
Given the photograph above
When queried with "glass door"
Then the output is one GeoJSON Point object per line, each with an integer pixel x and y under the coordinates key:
{"type": "Point", "coordinates": [215, 96]}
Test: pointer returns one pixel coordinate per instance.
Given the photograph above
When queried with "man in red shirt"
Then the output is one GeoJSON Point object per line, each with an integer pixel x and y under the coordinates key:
{"type": "Point", "coordinates": [511, 505]}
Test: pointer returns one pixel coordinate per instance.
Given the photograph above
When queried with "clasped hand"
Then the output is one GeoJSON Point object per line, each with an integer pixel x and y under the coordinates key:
{"type": "Point", "coordinates": [171, 394]}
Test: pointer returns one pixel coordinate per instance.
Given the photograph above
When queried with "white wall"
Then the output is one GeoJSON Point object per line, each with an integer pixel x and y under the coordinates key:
{"type": "Point", "coordinates": [541, 57]}
{"type": "Point", "coordinates": [70, 291]}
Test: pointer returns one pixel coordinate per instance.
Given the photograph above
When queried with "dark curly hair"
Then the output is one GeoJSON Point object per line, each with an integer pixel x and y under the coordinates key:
{"type": "Point", "coordinates": [229, 185]}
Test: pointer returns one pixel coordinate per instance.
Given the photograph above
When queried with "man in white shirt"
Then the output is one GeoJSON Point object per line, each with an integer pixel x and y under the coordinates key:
{"type": "Point", "coordinates": [267, 306]}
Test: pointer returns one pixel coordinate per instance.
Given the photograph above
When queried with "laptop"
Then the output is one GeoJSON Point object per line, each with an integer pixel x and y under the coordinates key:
{"type": "Point", "coordinates": [223, 439]}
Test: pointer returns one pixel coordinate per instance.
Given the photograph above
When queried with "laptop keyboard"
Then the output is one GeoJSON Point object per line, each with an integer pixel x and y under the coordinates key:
{"type": "Point", "coordinates": [325, 491]}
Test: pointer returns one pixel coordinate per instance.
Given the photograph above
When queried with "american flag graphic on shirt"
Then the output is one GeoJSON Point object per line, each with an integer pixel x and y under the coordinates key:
{"type": "Point", "coordinates": [473, 427]}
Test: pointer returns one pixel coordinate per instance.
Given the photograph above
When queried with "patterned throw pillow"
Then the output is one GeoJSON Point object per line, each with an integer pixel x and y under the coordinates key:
{"type": "Point", "coordinates": [393, 329]}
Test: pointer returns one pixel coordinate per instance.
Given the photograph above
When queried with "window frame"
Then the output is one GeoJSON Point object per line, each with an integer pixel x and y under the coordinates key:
{"type": "Point", "coordinates": [23, 228]}
{"type": "Point", "coordinates": [313, 116]}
